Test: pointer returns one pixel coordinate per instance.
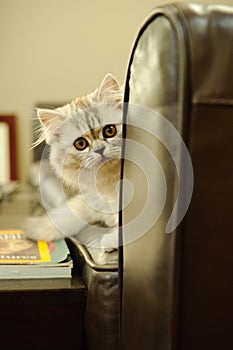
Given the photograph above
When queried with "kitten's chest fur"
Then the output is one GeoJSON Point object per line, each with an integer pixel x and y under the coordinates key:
{"type": "Point", "coordinates": [107, 181]}
{"type": "Point", "coordinates": [101, 184]}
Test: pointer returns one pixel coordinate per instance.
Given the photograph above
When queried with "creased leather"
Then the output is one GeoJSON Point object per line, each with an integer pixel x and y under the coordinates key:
{"type": "Point", "coordinates": [102, 309]}
{"type": "Point", "coordinates": [176, 292]}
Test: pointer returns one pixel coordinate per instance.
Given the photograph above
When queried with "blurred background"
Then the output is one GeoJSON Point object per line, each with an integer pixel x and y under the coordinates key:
{"type": "Point", "coordinates": [52, 51]}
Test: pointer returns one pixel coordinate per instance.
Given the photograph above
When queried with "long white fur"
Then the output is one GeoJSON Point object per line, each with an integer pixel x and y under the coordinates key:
{"type": "Point", "coordinates": [92, 180]}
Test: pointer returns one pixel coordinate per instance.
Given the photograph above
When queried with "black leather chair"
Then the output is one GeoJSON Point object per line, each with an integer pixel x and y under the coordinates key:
{"type": "Point", "coordinates": [172, 290]}
{"type": "Point", "coordinates": [176, 290]}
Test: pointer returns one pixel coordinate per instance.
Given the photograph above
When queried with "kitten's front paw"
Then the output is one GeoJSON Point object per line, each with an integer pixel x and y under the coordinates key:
{"type": "Point", "coordinates": [41, 228]}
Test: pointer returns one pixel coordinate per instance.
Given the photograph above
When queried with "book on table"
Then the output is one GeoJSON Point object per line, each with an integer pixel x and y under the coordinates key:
{"type": "Point", "coordinates": [22, 258]}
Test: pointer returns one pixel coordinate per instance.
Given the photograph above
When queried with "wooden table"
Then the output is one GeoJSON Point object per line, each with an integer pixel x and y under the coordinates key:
{"type": "Point", "coordinates": [41, 313]}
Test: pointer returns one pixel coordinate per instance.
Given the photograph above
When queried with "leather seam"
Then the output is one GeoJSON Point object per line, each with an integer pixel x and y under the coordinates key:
{"type": "Point", "coordinates": [212, 101]}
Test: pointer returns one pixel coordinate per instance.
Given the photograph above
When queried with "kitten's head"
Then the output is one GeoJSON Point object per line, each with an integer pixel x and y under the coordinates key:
{"type": "Point", "coordinates": [86, 134]}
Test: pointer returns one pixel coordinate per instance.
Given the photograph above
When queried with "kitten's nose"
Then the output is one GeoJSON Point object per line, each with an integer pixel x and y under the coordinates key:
{"type": "Point", "coordinates": [100, 151]}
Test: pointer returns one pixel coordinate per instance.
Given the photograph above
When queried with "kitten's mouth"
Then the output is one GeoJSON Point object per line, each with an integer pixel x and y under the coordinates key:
{"type": "Point", "coordinates": [106, 159]}
{"type": "Point", "coordinates": [103, 159]}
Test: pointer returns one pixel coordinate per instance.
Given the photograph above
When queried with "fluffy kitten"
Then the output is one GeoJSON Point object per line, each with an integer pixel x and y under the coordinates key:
{"type": "Point", "coordinates": [85, 148]}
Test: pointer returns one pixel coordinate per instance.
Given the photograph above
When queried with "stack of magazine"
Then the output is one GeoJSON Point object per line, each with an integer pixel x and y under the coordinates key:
{"type": "Point", "coordinates": [22, 258]}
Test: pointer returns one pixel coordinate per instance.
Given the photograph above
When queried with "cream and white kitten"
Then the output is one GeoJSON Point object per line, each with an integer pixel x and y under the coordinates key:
{"type": "Point", "coordinates": [85, 138]}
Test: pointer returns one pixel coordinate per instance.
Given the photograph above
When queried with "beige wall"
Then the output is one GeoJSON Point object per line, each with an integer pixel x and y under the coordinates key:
{"type": "Point", "coordinates": [55, 50]}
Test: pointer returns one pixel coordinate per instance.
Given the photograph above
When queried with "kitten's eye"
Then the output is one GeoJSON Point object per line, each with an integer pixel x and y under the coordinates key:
{"type": "Point", "coordinates": [109, 131]}
{"type": "Point", "coordinates": [81, 143]}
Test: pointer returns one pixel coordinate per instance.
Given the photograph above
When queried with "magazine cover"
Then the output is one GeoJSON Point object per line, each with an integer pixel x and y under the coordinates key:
{"type": "Point", "coordinates": [23, 258]}
{"type": "Point", "coordinates": [15, 248]}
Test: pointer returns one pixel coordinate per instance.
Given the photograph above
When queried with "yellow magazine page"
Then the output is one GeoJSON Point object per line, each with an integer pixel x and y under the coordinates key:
{"type": "Point", "coordinates": [15, 248]}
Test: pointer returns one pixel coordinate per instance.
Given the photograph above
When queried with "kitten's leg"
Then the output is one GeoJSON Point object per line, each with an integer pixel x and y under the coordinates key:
{"type": "Point", "coordinates": [41, 228]}
{"type": "Point", "coordinates": [65, 221]}
{"type": "Point", "coordinates": [57, 223]}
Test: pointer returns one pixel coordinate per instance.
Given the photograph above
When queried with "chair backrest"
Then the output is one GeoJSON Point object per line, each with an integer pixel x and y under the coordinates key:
{"type": "Point", "coordinates": [176, 290]}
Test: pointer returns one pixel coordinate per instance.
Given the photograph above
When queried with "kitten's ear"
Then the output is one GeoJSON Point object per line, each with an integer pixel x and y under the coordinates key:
{"type": "Point", "coordinates": [50, 120]}
{"type": "Point", "coordinates": [109, 89]}
{"type": "Point", "coordinates": [49, 117]}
